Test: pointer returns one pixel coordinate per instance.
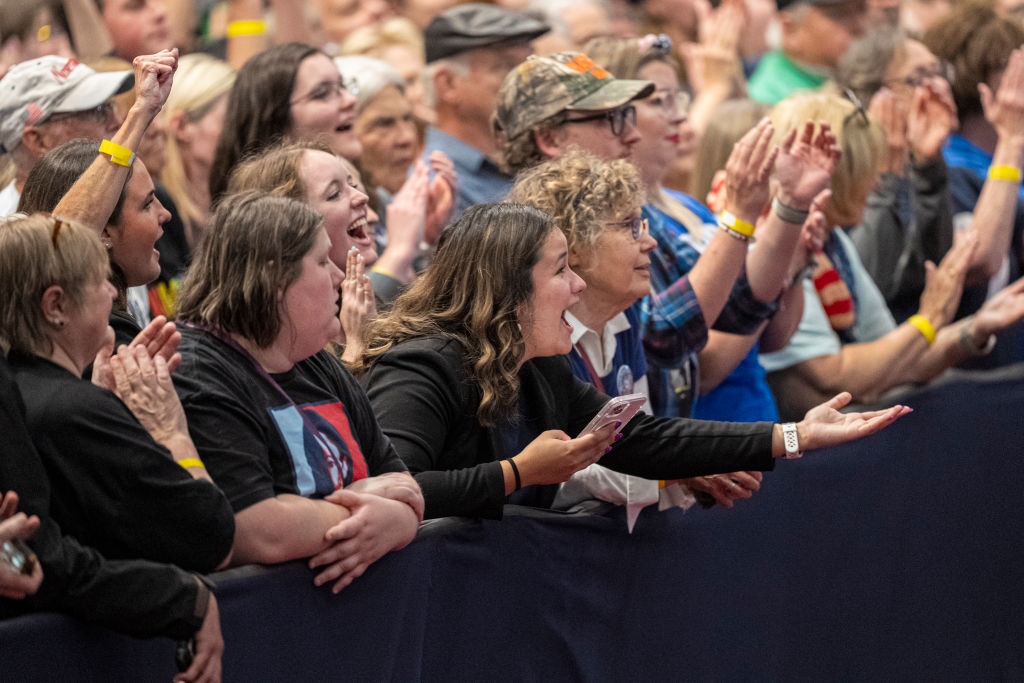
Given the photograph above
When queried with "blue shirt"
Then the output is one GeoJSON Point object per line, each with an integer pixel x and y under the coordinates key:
{"type": "Point", "coordinates": [480, 179]}
{"type": "Point", "coordinates": [628, 363]}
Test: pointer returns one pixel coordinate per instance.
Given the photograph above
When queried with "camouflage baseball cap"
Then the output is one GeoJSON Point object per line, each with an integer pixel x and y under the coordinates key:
{"type": "Point", "coordinates": [541, 87]}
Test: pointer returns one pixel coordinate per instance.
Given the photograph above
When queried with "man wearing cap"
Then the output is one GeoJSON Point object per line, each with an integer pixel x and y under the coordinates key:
{"type": "Point", "coordinates": [815, 35]}
{"type": "Point", "coordinates": [551, 104]}
{"type": "Point", "coordinates": [47, 101]}
{"type": "Point", "coordinates": [470, 49]}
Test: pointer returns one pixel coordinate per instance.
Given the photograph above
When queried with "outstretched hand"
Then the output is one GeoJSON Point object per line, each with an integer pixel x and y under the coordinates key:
{"type": "Point", "coordinates": [726, 489]}
{"type": "Point", "coordinates": [825, 426]}
{"type": "Point", "coordinates": [440, 195]}
{"type": "Point", "coordinates": [358, 307]}
{"type": "Point", "coordinates": [160, 338]}
{"type": "Point", "coordinates": [805, 163]}
{"type": "Point", "coordinates": [931, 119]}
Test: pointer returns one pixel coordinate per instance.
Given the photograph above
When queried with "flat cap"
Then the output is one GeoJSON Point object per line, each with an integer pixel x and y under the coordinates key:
{"type": "Point", "coordinates": [476, 25]}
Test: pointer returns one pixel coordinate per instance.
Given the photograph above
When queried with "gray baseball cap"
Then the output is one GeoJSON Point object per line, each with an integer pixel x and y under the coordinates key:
{"type": "Point", "coordinates": [33, 90]}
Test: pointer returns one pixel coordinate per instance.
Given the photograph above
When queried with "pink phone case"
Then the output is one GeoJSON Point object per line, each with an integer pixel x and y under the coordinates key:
{"type": "Point", "coordinates": [619, 409]}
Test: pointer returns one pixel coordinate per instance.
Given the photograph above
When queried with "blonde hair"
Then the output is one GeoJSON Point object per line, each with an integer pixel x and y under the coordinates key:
{"type": "Point", "coordinates": [580, 191]}
{"type": "Point", "coordinates": [730, 122]}
{"type": "Point", "coordinates": [373, 40]}
{"type": "Point", "coordinates": [862, 140]}
{"type": "Point", "coordinates": [199, 84]}
{"type": "Point", "coordinates": [38, 252]}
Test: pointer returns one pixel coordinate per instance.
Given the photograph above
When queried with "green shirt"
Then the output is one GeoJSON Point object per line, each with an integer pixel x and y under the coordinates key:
{"type": "Point", "coordinates": [777, 77]}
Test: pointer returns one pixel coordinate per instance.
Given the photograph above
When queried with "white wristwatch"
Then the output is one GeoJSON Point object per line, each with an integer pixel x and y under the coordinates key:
{"type": "Point", "coordinates": [791, 441]}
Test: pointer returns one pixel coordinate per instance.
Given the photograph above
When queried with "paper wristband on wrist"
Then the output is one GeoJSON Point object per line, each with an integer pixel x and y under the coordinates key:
{"type": "Point", "coordinates": [924, 327]}
{"type": "Point", "coordinates": [788, 214]}
{"type": "Point", "coordinates": [191, 462]}
{"type": "Point", "coordinates": [791, 441]}
{"type": "Point", "coordinates": [122, 156]}
{"type": "Point", "coordinates": [967, 341]}
{"type": "Point", "coordinates": [736, 227]}
{"type": "Point", "coordinates": [248, 27]}
{"type": "Point", "coordinates": [515, 471]}
{"type": "Point", "coordinates": [1004, 172]}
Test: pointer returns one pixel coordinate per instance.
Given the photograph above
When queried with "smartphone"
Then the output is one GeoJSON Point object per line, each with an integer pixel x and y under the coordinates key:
{"type": "Point", "coordinates": [620, 409]}
{"type": "Point", "coordinates": [16, 554]}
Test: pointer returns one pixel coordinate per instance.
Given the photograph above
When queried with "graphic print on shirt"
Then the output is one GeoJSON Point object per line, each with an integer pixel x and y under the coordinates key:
{"type": "Point", "coordinates": [327, 459]}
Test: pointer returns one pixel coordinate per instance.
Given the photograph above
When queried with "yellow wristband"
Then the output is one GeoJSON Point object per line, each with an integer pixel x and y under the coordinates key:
{"type": "Point", "coordinates": [118, 154]}
{"type": "Point", "coordinates": [661, 483]}
{"type": "Point", "coordinates": [736, 225]}
{"type": "Point", "coordinates": [248, 27]}
{"type": "Point", "coordinates": [191, 462]}
{"type": "Point", "coordinates": [1003, 172]}
{"type": "Point", "coordinates": [924, 327]}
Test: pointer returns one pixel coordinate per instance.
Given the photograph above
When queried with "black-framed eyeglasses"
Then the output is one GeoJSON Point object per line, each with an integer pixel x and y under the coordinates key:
{"type": "Point", "coordinates": [101, 113]}
{"type": "Point", "coordinates": [329, 90]}
{"type": "Point", "coordinates": [616, 118]}
{"type": "Point", "coordinates": [638, 227]}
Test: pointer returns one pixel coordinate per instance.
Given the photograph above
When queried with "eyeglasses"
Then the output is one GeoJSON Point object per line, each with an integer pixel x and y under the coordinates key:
{"type": "Point", "coordinates": [616, 118]}
{"type": "Point", "coordinates": [638, 227]}
{"type": "Point", "coordinates": [671, 101]}
{"type": "Point", "coordinates": [330, 90]}
{"type": "Point", "coordinates": [922, 74]}
{"type": "Point", "coordinates": [99, 114]}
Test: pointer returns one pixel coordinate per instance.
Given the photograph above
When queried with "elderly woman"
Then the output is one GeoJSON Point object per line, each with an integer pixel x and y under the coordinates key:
{"type": "Point", "coordinates": [467, 377]}
{"type": "Point", "coordinates": [909, 218]}
{"type": "Point", "coordinates": [693, 272]}
{"type": "Point", "coordinates": [283, 428]}
{"type": "Point", "coordinates": [287, 93]}
{"type": "Point", "coordinates": [847, 336]}
{"type": "Point", "coordinates": [598, 205]}
{"type": "Point", "coordinates": [135, 487]}
{"type": "Point", "coordinates": [385, 125]}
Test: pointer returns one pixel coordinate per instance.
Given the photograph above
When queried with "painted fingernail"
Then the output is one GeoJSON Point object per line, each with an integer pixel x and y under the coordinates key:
{"type": "Point", "coordinates": [618, 424]}
{"type": "Point", "coordinates": [618, 436]}
{"type": "Point", "coordinates": [608, 450]}
{"type": "Point", "coordinates": [351, 249]}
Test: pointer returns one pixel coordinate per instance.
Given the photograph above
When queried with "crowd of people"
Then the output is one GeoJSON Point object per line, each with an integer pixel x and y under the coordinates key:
{"type": "Point", "coordinates": [284, 281]}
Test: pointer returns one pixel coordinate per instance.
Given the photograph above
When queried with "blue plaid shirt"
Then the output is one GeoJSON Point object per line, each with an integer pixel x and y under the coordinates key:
{"type": "Point", "coordinates": [673, 324]}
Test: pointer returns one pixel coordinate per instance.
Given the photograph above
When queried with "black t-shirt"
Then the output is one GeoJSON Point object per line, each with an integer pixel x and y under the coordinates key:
{"type": "Point", "coordinates": [257, 443]}
{"type": "Point", "coordinates": [133, 596]}
{"type": "Point", "coordinates": [114, 487]}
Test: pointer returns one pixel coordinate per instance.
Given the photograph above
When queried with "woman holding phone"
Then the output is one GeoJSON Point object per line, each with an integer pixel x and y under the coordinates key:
{"type": "Point", "coordinates": [468, 379]}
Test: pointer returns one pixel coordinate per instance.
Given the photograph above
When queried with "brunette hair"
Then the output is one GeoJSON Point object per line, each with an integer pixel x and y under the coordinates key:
{"type": "Point", "coordinates": [259, 108]}
{"type": "Point", "coordinates": [38, 252]}
{"type": "Point", "coordinates": [52, 177]}
{"type": "Point", "coordinates": [473, 292]}
{"type": "Point", "coordinates": [978, 43]}
{"type": "Point", "coordinates": [254, 250]}
{"type": "Point", "coordinates": [275, 170]}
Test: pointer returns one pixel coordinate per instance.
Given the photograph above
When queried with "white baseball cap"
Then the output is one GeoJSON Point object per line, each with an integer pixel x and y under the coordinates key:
{"type": "Point", "coordinates": [33, 90]}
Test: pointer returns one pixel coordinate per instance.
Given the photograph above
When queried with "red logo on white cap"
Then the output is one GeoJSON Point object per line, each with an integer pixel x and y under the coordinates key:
{"type": "Point", "coordinates": [66, 70]}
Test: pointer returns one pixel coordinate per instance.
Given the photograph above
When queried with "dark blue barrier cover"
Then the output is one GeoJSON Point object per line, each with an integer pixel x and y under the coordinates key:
{"type": "Point", "coordinates": [894, 558]}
